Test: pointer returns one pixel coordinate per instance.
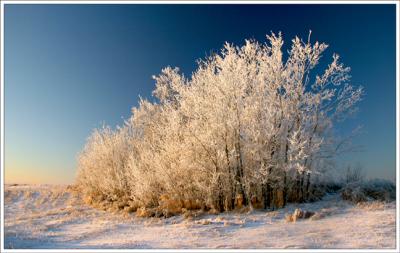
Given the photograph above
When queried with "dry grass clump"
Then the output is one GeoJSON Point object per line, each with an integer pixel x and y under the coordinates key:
{"type": "Point", "coordinates": [124, 204]}
{"type": "Point", "coordinates": [10, 195]}
{"type": "Point", "coordinates": [168, 206]}
{"type": "Point", "coordinates": [256, 203]}
{"type": "Point", "coordinates": [175, 205]}
{"type": "Point", "coordinates": [203, 222]}
{"type": "Point", "coordinates": [144, 212]}
{"type": "Point", "coordinates": [191, 214]}
{"type": "Point", "coordinates": [298, 214]}
{"type": "Point", "coordinates": [372, 205]}
{"type": "Point", "coordinates": [321, 214]}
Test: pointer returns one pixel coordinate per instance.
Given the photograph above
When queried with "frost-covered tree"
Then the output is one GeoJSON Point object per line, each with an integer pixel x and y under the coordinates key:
{"type": "Point", "coordinates": [246, 127]}
{"type": "Point", "coordinates": [102, 164]}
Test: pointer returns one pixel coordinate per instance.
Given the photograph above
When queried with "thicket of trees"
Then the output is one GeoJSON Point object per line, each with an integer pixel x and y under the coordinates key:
{"type": "Point", "coordinates": [247, 128]}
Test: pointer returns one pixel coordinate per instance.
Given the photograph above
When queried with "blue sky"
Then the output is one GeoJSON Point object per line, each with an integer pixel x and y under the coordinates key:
{"type": "Point", "coordinates": [69, 68]}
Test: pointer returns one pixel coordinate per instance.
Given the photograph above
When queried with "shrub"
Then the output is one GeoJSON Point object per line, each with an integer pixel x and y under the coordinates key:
{"type": "Point", "coordinates": [246, 123]}
{"type": "Point", "coordinates": [102, 163]}
{"type": "Point", "coordinates": [380, 189]}
{"type": "Point", "coordinates": [375, 189]}
{"type": "Point", "coordinates": [354, 192]}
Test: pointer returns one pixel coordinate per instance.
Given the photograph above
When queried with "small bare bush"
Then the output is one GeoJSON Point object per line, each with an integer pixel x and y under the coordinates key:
{"type": "Point", "coordinates": [354, 174]}
{"type": "Point", "coordinates": [353, 192]}
{"type": "Point", "coordinates": [376, 189]}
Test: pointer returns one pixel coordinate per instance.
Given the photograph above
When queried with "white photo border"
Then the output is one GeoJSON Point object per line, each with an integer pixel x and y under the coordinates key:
{"type": "Point", "coordinates": [6, 2]}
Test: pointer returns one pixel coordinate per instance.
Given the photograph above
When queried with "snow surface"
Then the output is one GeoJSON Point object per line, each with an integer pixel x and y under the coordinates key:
{"type": "Point", "coordinates": [41, 216]}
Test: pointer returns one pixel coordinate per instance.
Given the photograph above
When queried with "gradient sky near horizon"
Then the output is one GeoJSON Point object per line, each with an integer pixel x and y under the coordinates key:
{"type": "Point", "coordinates": [69, 68]}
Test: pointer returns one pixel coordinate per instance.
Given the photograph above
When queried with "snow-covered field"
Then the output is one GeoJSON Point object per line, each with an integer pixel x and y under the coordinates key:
{"type": "Point", "coordinates": [52, 217]}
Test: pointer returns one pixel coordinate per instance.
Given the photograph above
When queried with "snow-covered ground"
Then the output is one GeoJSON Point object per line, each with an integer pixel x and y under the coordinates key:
{"type": "Point", "coordinates": [52, 217]}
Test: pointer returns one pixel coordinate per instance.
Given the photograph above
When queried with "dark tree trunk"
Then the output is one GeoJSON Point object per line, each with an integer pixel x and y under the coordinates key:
{"type": "Point", "coordinates": [233, 198]}
{"type": "Point", "coordinates": [231, 173]}
{"type": "Point", "coordinates": [240, 176]}
{"type": "Point", "coordinates": [267, 195]}
{"type": "Point", "coordinates": [267, 191]}
{"type": "Point", "coordinates": [264, 195]}
{"type": "Point", "coordinates": [221, 202]}
{"type": "Point", "coordinates": [302, 187]}
{"type": "Point", "coordinates": [273, 199]}
{"type": "Point", "coordinates": [284, 188]}
{"type": "Point", "coordinates": [308, 186]}
{"type": "Point", "coordinates": [240, 159]}
{"type": "Point", "coordinates": [220, 199]}
{"type": "Point", "coordinates": [297, 186]}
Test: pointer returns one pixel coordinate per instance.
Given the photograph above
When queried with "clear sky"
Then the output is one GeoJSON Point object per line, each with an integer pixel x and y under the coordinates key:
{"type": "Point", "coordinates": [69, 68]}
